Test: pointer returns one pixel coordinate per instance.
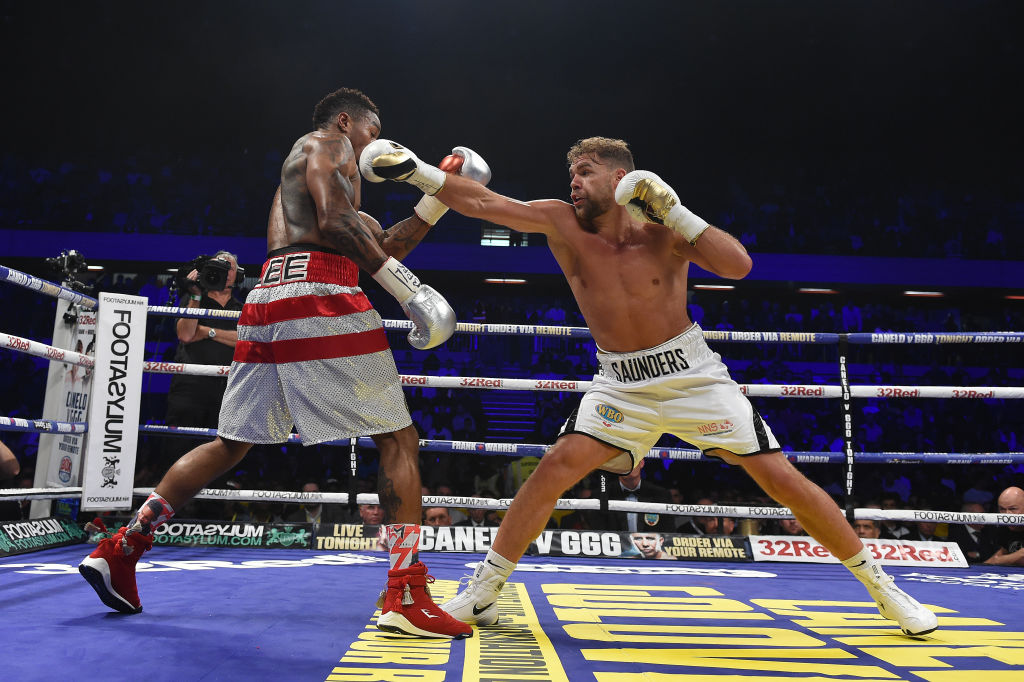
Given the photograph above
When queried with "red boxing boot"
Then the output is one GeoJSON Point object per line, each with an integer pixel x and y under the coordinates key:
{"type": "Point", "coordinates": [110, 569]}
{"type": "Point", "coordinates": [409, 609]}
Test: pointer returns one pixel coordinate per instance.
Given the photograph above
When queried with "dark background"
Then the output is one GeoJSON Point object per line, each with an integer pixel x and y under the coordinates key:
{"type": "Point", "coordinates": [792, 124]}
{"type": "Point", "coordinates": [862, 92]}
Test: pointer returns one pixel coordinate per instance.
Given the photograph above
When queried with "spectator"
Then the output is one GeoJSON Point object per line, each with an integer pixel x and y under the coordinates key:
{"type": "Point", "coordinates": [436, 516]}
{"type": "Point", "coordinates": [867, 528]}
{"type": "Point", "coordinates": [792, 527]}
{"type": "Point", "coordinates": [315, 513]}
{"type": "Point", "coordinates": [371, 514]}
{"type": "Point", "coordinates": [633, 488]}
{"type": "Point", "coordinates": [893, 530]}
{"type": "Point", "coordinates": [974, 539]}
{"type": "Point", "coordinates": [478, 516]}
{"type": "Point", "coordinates": [709, 525]}
{"type": "Point", "coordinates": [1009, 540]}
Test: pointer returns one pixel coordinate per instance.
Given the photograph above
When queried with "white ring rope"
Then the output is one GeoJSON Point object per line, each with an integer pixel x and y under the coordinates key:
{"type": "Point", "coordinates": [43, 350]}
{"type": "Point", "coordinates": [571, 385]}
{"type": "Point", "coordinates": [718, 510]}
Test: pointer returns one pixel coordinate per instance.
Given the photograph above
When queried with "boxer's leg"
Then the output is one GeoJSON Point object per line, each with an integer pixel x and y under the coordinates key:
{"type": "Point", "coordinates": [407, 607]}
{"type": "Point", "coordinates": [571, 458]}
{"type": "Point", "coordinates": [825, 522]}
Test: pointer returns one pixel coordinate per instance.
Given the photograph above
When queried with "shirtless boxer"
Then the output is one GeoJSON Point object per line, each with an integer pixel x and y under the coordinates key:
{"type": "Point", "coordinates": [312, 354]}
{"type": "Point", "coordinates": [624, 245]}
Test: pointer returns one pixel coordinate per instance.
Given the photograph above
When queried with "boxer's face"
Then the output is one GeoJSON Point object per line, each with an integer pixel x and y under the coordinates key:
{"type": "Point", "coordinates": [362, 130]}
{"type": "Point", "coordinates": [592, 186]}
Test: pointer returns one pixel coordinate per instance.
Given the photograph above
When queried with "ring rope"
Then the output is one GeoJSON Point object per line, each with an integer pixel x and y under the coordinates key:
{"type": "Point", "coordinates": [43, 350]}
{"type": "Point", "coordinates": [46, 287]}
{"type": "Point", "coordinates": [537, 450]}
{"type": "Point", "coordinates": [51, 289]}
{"type": "Point", "coordinates": [827, 338]}
{"type": "Point", "coordinates": [30, 347]}
{"type": "Point", "coordinates": [719, 510]}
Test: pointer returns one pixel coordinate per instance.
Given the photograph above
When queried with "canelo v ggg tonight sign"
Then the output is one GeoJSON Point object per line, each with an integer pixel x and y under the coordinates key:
{"type": "Point", "coordinates": [109, 472]}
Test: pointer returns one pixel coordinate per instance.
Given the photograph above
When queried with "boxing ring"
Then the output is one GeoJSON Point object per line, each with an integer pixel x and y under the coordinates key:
{"type": "Point", "coordinates": [236, 611]}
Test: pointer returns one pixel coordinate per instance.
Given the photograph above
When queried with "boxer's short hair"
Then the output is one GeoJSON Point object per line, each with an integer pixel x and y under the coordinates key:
{"type": "Point", "coordinates": [351, 101]}
{"type": "Point", "coordinates": [605, 148]}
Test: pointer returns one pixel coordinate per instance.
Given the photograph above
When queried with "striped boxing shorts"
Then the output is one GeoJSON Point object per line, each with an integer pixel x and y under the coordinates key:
{"type": "Point", "coordinates": [681, 387]}
{"type": "Point", "coordinates": [311, 354]}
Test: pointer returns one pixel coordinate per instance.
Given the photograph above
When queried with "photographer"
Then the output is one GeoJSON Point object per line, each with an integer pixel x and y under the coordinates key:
{"type": "Point", "coordinates": [195, 400]}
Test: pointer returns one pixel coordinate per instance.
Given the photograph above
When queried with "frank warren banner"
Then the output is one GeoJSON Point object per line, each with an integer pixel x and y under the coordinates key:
{"type": "Point", "coordinates": [109, 471]}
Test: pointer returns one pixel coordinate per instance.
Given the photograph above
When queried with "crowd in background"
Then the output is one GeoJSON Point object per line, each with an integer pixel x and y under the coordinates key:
{"type": "Point", "coordinates": [192, 197]}
{"type": "Point", "coordinates": [807, 214]}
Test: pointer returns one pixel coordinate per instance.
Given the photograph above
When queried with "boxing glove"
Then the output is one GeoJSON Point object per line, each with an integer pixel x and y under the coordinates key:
{"type": "Point", "coordinates": [648, 198]}
{"type": "Point", "coordinates": [386, 160]}
{"type": "Point", "coordinates": [433, 319]}
{"type": "Point", "coordinates": [430, 209]}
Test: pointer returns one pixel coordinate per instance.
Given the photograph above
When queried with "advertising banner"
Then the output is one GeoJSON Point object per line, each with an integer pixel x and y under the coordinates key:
{"type": "Point", "coordinates": [17, 537]}
{"type": "Point", "coordinates": [185, 533]}
{"type": "Point", "coordinates": [71, 389]}
{"type": "Point", "coordinates": [113, 437]}
{"type": "Point", "coordinates": [608, 544]}
{"type": "Point", "coordinates": [888, 552]}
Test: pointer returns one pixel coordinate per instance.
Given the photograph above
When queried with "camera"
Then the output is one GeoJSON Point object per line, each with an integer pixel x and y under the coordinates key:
{"type": "Point", "coordinates": [68, 262]}
{"type": "Point", "coordinates": [213, 274]}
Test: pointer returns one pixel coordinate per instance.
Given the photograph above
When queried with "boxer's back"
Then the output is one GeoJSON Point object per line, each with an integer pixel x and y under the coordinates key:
{"type": "Point", "coordinates": [293, 214]}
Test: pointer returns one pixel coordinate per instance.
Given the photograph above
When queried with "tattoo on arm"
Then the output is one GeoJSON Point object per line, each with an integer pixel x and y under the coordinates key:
{"type": "Point", "coordinates": [352, 237]}
{"type": "Point", "coordinates": [402, 237]}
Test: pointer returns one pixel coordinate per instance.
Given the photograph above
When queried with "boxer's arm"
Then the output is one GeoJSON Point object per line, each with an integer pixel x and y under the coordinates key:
{"type": "Point", "coordinates": [472, 199]}
{"type": "Point", "coordinates": [399, 239]}
{"type": "Point", "coordinates": [386, 160]}
{"type": "Point", "coordinates": [718, 252]}
{"type": "Point", "coordinates": [327, 171]}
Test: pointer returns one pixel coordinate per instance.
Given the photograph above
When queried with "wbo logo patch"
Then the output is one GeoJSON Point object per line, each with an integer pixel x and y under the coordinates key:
{"type": "Point", "coordinates": [610, 413]}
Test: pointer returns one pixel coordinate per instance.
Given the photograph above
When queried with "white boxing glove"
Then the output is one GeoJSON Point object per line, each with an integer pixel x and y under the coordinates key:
{"type": "Point", "coordinates": [430, 209]}
{"type": "Point", "coordinates": [433, 319]}
{"type": "Point", "coordinates": [650, 199]}
{"type": "Point", "coordinates": [386, 160]}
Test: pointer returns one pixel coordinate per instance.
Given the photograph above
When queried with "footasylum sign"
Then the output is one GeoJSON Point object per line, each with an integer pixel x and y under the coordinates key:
{"type": "Point", "coordinates": [227, 534]}
{"type": "Point", "coordinates": [17, 537]}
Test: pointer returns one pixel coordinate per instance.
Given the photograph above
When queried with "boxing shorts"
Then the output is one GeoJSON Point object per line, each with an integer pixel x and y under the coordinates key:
{"type": "Point", "coordinates": [680, 387]}
{"type": "Point", "coordinates": [312, 354]}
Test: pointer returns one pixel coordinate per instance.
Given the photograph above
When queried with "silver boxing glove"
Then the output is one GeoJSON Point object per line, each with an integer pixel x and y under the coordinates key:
{"type": "Point", "coordinates": [430, 208]}
{"type": "Point", "coordinates": [433, 319]}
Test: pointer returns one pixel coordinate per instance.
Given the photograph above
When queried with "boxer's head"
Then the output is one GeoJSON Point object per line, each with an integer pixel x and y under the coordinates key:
{"type": "Point", "coordinates": [351, 113]}
{"type": "Point", "coordinates": [596, 165]}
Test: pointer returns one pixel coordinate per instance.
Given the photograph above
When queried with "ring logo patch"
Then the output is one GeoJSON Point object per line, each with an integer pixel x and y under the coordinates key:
{"type": "Point", "coordinates": [610, 413]}
{"type": "Point", "coordinates": [716, 428]}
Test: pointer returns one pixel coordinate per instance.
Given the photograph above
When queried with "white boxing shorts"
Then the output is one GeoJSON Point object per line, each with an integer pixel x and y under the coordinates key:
{"type": "Point", "coordinates": [680, 387]}
{"type": "Point", "coordinates": [311, 354]}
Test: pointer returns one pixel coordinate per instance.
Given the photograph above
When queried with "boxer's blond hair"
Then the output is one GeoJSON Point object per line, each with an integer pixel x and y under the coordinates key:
{"type": "Point", "coordinates": [605, 148]}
